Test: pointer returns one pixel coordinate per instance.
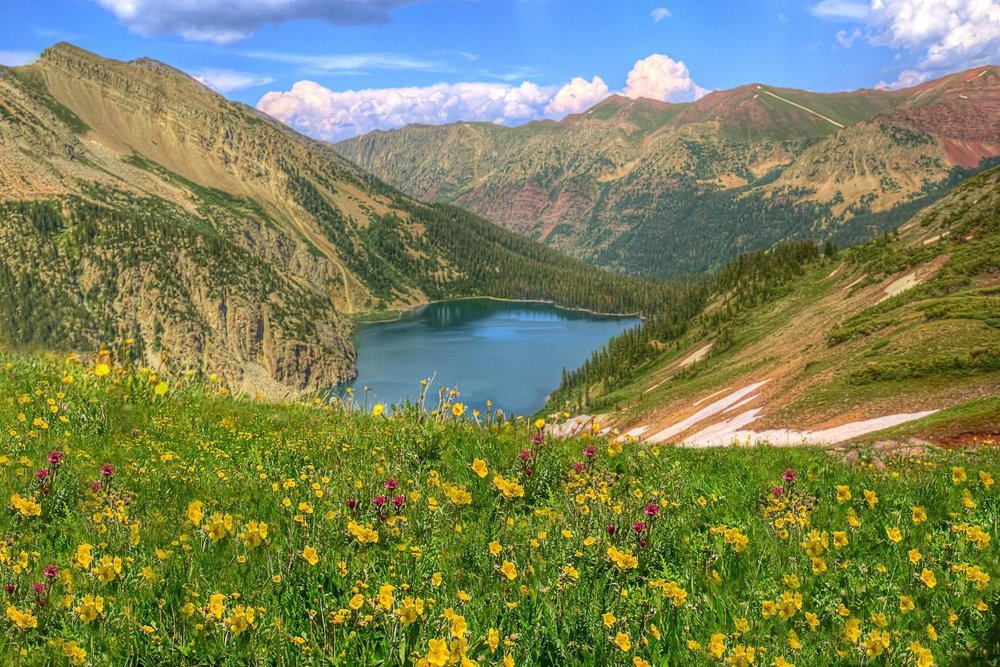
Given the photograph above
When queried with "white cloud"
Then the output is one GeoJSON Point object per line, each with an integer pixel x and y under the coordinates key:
{"type": "Point", "coordinates": [949, 34]}
{"type": "Point", "coordinates": [349, 62]}
{"type": "Point", "coordinates": [845, 38]}
{"type": "Point", "coordinates": [226, 21]}
{"type": "Point", "coordinates": [661, 78]}
{"type": "Point", "coordinates": [326, 114]}
{"type": "Point", "coordinates": [660, 13]}
{"type": "Point", "coordinates": [225, 81]}
{"type": "Point", "coordinates": [940, 35]}
{"type": "Point", "coordinates": [320, 112]}
{"type": "Point", "coordinates": [16, 58]}
{"type": "Point", "coordinates": [906, 79]}
{"type": "Point", "coordinates": [576, 96]}
{"type": "Point", "coordinates": [839, 10]}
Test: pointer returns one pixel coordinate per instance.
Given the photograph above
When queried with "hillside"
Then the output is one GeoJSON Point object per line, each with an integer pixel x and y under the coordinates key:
{"type": "Point", "coordinates": [794, 343]}
{"type": "Point", "coordinates": [164, 523]}
{"type": "Point", "coordinates": [135, 203]}
{"type": "Point", "coordinates": [668, 189]}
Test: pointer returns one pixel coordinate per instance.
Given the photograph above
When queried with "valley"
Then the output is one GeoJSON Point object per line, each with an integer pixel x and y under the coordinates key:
{"type": "Point", "coordinates": [663, 189]}
{"type": "Point", "coordinates": [904, 324]}
{"type": "Point", "coordinates": [138, 204]}
{"type": "Point", "coordinates": [394, 333]}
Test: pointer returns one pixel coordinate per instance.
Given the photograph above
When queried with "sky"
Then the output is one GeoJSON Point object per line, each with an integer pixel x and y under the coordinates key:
{"type": "Point", "coordinates": [334, 69]}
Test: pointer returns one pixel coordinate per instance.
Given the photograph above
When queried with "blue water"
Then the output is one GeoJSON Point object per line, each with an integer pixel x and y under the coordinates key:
{"type": "Point", "coordinates": [511, 353]}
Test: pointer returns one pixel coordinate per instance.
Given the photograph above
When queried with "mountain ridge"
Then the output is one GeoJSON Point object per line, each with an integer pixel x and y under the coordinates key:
{"type": "Point", "coordinates": [793, 347]}
{"type": "Point", "coordinates": [623, 182]}
{"type": "Point", "coordinates": [139, 204]}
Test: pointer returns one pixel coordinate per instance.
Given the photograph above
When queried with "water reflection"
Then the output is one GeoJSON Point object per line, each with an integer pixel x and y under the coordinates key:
{"type": "Point", "coordinates": [511, 353]}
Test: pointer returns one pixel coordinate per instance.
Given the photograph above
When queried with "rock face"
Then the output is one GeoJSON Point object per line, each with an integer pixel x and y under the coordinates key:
{"type": "Point", "coordinates": [135, 203]}
{"type": "Point", "coordinates": [670, 188]}
{"type": "Point", "coordinates": [139, 204]}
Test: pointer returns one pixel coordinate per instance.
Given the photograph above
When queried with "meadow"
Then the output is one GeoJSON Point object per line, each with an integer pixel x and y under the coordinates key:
{"type": "Point", "coordinates": [154, 519]}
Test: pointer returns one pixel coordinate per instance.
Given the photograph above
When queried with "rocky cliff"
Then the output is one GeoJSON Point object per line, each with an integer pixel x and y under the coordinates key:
{"type": "Point", "coordinates": [135, 203]}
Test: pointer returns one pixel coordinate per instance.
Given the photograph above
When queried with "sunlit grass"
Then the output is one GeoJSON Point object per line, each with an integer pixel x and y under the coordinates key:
{"type": "Point", "coordinates": [160, 520]}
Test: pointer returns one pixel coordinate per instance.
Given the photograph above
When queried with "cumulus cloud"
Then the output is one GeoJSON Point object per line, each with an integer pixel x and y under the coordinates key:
{"type": "Point", "coordinates": [226, 21]}
{"type": "Point", "coordinates": [956, 33]}
{"type": "Point", "coordinates": [942, 34]}
{"type": "Point", "coordinates": [314, 109]}
{"type": "Point", "coordinates": [906, 79]}
{"type": "Point", "coordinates": [225, 81]}
{"type": "Point", "coordinates": [660, 13]}
{"type": "Point", "coordinates": [323, 113]}
{"type": "Point", "coordinates": [661, 78]}
{"type": "Point", "coordinates": [16, 58]}
{"type": "Point", "coordinates": [576, 96]}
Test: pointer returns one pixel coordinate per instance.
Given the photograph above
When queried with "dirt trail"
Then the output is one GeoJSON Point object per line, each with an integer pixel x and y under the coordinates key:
{"type": "Point", "coordinates": [799, 106]}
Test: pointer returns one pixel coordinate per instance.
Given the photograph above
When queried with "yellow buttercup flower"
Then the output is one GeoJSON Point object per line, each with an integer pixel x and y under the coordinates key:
{"type": "Point", "coordinates": [871, 498]}
{"type": "Point", "coordinates": [310, 555]}
{"type": "Point", "coordinates": [195, 514]}
{"type": "Point", "coordinates": [438, 653]}
{"type": "Point", "coordinates": [492, 639]}
{"type": "Point", "coordinates": [509, 570]}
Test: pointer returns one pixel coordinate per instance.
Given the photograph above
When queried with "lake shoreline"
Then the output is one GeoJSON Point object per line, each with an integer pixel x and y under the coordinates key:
{"type": "Point", "coordinates": [400, 312]}
{"type": "Point", "coordinates": [513, 352]}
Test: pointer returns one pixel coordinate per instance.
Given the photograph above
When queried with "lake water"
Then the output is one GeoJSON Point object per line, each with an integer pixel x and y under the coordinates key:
{"type": "Point", "coordinates": [511, 353]}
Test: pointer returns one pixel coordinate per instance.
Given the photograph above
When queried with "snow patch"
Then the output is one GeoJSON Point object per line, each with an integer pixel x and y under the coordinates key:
{"type": "Point", "coordinates": [729, 432]}
{"type": "Point", "coordinates": [900, 285]}
{"type": "Point", "coordinates": [708, 411]}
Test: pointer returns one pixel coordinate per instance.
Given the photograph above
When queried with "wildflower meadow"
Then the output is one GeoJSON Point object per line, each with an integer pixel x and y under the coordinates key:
{"type": "Point", "coordinates": [160, 520]}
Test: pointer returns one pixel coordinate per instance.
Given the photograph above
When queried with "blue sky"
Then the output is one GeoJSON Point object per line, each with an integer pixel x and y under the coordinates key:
{"type": "Point", "coordinates": [334, 68]}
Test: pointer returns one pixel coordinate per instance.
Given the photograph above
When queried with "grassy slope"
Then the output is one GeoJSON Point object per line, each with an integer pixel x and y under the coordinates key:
{"type": "Point", "coordinates": [835, 351]}
{"type": "Point", "coordinates": [294, 465]}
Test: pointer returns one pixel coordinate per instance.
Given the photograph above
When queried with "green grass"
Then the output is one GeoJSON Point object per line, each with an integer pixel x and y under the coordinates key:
{"type": "Point", "coordinates": [195, 471]}
{"type": "Point", "coordinates": [975, 416]}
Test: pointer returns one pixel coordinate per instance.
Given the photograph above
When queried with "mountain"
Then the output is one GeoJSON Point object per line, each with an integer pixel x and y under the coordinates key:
{"type": "Point", "coordinates": [136, 204]}
{"type": "Point", "coordinates": [667, 189]}
{"type": "Point", "coordinates": [791, 343]}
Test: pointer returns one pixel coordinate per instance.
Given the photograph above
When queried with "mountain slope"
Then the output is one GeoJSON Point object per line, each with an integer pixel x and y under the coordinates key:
{"type": "Point", "coordinates": [136, 203]}
{"type": "Point", "coordinates": [667, 189]}
{"type": "Point", "coordinates": [908, 323]}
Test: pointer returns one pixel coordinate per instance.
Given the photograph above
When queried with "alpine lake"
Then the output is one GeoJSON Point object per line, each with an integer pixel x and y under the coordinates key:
{"type": "Point", "coordinates": [511, 353]}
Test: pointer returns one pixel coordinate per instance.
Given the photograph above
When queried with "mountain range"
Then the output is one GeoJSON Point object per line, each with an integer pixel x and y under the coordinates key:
{"type": "Point", "coordinates": [667, 189]}
{"type": "Point", "coordinates": [138, 205]}
{"type": "Point", "coordinates": [792, 346]}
